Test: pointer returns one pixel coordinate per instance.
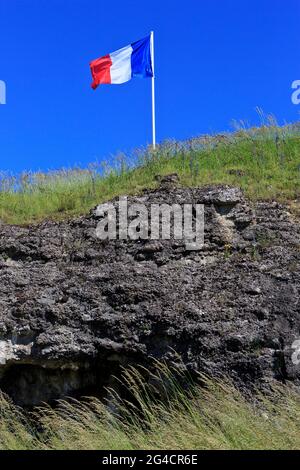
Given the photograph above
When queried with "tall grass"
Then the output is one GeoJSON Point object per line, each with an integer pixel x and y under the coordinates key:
{"type": "Point", "coordinates": [162, 415]}
{"type": "Point", "coordinates": [264, 161]}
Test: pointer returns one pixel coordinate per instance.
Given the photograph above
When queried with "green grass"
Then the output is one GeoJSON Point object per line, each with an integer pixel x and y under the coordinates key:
{"type": "Point", "coordinates": [264, 162]}
{"type": "Point", "coordinates": [215, 416]}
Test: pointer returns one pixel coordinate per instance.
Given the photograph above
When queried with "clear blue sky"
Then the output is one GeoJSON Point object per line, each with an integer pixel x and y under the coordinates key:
{"type": "Point", "coordinates": [216, 60]}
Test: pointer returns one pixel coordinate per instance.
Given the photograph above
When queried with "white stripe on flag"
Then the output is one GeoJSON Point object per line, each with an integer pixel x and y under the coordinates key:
{"type": "Point", "coordinates": [120, 70]}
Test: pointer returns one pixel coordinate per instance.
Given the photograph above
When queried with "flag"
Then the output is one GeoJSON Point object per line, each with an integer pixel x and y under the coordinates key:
{"type": "Point", "coordinates": [120, 66]}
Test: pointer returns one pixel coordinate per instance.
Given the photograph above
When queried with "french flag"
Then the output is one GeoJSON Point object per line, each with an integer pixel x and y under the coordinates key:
{"type": "Point", "coordinates": [120, 66]}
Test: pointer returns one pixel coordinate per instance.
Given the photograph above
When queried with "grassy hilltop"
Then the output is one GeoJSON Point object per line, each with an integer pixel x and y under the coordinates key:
{"type": "Point", "coordinates": [264, 161]}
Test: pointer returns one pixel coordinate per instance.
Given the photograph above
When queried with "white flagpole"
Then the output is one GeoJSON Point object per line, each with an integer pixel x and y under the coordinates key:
{"type": "Point", "coordinates": [153, 91]}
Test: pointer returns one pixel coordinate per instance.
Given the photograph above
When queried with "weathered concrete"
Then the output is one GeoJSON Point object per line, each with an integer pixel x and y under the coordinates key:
{"type": "Point", "coordinates": [73, 308]}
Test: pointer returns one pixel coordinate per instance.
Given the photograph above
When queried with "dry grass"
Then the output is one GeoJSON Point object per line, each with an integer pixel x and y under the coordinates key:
{"type": "Point", "coordinates": [215, 416]}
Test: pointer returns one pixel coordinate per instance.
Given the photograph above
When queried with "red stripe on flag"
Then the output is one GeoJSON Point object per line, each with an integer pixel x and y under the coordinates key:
{"type": "Point", "coordinates": [100, 69]}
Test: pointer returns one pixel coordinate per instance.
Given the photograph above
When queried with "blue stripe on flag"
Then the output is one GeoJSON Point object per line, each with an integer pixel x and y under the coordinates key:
{"type": "Point", "coordinates": [141, 65]}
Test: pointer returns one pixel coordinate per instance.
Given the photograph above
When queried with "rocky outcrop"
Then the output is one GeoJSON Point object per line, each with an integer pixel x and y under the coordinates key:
{"type": "Point", "coordinates": [73, 308]}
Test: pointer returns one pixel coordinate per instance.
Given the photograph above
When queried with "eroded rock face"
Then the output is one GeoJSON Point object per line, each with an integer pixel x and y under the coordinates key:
{"type": "Point", "coordinates": [74, 308]}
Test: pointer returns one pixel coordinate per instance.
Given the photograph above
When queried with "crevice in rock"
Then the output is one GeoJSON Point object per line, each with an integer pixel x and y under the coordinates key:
{"type": "Point", "coordinates": [30, 384]}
